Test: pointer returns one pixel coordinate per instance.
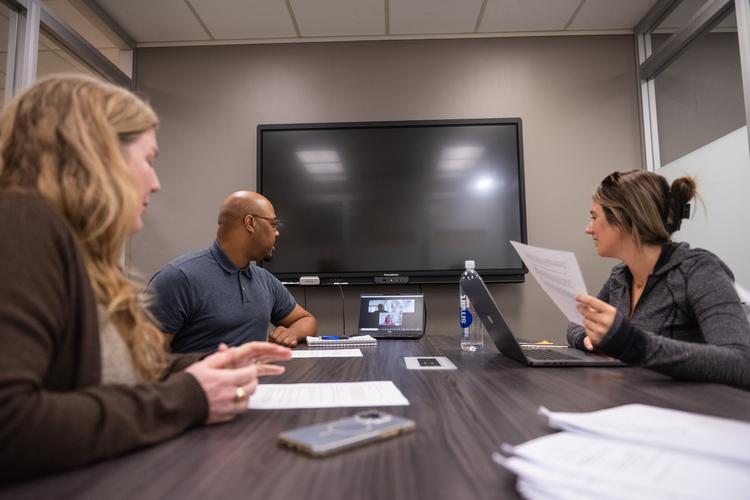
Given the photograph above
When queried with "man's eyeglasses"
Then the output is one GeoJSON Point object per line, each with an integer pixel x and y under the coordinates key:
{"type": "Point", "coordinates": [611, 179]}
{"type": "Point", "coordinates": [275, 222]}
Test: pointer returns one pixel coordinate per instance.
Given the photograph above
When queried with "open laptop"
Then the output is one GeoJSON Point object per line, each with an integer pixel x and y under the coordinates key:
{"type": "Point", "coordinates": [507, 344]}
{"type": "Point", "coordinates": [392, 316]}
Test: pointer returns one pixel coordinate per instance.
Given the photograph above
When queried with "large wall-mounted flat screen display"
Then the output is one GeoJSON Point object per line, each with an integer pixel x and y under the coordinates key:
{"type": "Point", "coordinates": [395, 202]}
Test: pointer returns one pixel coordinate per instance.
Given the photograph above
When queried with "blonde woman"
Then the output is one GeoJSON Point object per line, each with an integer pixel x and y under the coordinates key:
{"type": "Point", "coordinates": [84, 373]}
{"type": "Point", "coordinates": [667, 306]}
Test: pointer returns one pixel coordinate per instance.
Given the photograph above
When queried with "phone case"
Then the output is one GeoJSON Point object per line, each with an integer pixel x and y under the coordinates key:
{"type": "Point", "coordinates": [330, 437]}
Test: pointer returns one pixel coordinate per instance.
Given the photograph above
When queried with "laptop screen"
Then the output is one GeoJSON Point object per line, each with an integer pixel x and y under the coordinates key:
{"type": "Point", "coordinates": [391, 314]}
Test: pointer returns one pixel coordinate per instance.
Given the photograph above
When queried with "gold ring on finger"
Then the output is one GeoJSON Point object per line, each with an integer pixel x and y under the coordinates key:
{"type": "Point", "coordinates": [239, 394]}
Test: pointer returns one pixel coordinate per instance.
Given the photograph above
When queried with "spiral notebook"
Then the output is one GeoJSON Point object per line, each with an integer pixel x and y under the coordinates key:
{"type": "Point", "coordinates": [342, 342]}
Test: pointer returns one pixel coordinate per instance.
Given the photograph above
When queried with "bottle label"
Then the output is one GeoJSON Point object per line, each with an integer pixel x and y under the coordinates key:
{"type": "Point", "coordinates": [466, 318]}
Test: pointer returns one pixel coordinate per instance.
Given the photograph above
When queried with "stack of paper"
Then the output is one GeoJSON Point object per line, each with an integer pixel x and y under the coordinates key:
{"type": "Point", "coordinates": [634, 452]}
{"type": "Point", "coordinates": [341, 342]}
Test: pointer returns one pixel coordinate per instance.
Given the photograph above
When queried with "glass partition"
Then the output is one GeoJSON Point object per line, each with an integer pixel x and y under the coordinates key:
{"type": "Point", "coordinates": [699, 96]}
{"type": "Point", "coordinates": [81, 19]}
{"type": "Point", "coordinates": [680, 16]}
{"type": "Point", "coordinates": [7, 25]}
{"type": "Point", "coordinates": [53, 58]}
{"type": "Point", "coordinates": [694, 118]}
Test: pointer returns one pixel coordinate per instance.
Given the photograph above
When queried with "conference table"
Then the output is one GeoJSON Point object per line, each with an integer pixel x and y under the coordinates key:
{"type": "Point", "coordinates": [461, 417]}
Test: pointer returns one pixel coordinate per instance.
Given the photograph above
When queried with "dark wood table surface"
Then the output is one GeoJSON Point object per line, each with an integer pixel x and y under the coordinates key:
{"type": "Point", "coordinates": [462, 417]}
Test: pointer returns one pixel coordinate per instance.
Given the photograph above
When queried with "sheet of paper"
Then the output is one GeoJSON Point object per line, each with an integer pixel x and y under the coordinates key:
{"type": "Point", "coordinates": [542, 482]}
{"type": "Point", "coordinates": [326, 395]}
{"type": "Point", "coordinates": [627, 470]}
{"type": "Point", "coordinates": [544, 491]}
{"type": "Point", "coordinates": [559, 275]}
{"type": "Point", "coordinates": [677, 430]}
{"type": "Point", "coordinates": [328, 353]}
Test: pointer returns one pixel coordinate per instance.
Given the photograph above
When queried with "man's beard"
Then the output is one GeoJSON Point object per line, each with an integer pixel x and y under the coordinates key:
{"type": "Point", "coordinates": [268, 257]}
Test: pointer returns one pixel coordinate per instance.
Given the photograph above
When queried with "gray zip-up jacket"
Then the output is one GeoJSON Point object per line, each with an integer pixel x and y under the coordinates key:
{"type": "Point", "coordinates": [688, 323]}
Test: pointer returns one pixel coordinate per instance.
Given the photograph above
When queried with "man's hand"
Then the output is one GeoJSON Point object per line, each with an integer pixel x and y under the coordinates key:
{"type": "Point", "coordinates": [284, 336]}
{"type": "Point", "coordinates": [294, 328]}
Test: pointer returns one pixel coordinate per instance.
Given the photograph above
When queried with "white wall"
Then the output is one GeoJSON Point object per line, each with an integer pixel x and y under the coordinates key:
{"type": "Point", "coordinates": [721, 221]}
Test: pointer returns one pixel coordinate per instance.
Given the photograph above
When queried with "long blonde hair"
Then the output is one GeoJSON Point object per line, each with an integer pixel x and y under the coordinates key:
{"type": "Point", "coordinates": [63, 138]}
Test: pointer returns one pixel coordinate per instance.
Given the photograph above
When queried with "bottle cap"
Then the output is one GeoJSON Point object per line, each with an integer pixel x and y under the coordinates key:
{"type": "Point", "coordinates": [470, 264]}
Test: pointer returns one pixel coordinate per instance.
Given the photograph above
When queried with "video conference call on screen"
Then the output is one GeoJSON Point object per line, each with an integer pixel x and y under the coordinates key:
{"type": "Point", "coordinates": [360, 201]}
{"type": "Point", "coordinates": [402, 313]}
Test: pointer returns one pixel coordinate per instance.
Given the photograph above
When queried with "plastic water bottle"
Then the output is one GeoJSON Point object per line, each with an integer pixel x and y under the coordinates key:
{"type": "Point", "coordinates": [472, 329]}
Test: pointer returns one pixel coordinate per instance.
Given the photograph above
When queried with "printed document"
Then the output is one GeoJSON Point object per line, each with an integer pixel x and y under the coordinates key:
{"type": "Point", "coordinates": [585, 466]}
{"type": "Point", "coordinates": [720, 438]}
{"type": "Point", "coordinates": [328, 353]}
{"type": "Point", "coordinates": [559, 275]}
{"type": "Point", "coordinates": [633, 451]}
{"type": "Point", "coordinates": [326, 395]}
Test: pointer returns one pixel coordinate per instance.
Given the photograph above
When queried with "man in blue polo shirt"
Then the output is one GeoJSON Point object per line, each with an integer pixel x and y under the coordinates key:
{"type": "Point", "coordinates": [219, 295]}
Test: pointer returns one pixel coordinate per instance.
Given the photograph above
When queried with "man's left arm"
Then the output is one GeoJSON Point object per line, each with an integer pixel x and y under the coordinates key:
{"type": "Point", "coordinates": [294, 327]}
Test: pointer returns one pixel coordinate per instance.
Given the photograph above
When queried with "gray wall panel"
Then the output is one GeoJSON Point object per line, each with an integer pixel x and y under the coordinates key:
{"type": "Point", "coordinates": [576, 96]}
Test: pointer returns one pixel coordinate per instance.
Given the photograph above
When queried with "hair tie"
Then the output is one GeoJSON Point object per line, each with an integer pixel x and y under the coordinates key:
{"type": "Point", "coordinates": [682, 211]}
{"type": "Point", "coordinates": [667, 206]}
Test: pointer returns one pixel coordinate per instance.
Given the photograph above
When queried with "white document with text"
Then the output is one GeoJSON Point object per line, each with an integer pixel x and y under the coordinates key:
{"type": "Point", "coordinates": [586, 466]}
{"type": "Point", "coordinates": [559, 275]}
{"type": "Point", "coordinates": [720, 438]}
{"type": "Point", "coordinates": [326, 395]}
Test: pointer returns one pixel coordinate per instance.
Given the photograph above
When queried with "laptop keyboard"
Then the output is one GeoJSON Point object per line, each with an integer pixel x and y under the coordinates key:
{"type": "Point", "coordinates": [542, 354]}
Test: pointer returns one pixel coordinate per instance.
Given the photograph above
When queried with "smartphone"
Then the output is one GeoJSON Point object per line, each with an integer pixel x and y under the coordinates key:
{"type": "Point", "coordinates": [329, 437]}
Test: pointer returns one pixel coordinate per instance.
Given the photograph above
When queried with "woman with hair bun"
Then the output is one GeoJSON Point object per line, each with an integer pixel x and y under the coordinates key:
{"type": "Point", "coordinates": [84, 371]}
{"type": "Point", "coordinates": [667, 307]}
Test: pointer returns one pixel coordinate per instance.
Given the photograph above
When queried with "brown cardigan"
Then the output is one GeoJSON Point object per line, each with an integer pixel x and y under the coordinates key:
{"type": "Point", "coordinates": [53, 412]}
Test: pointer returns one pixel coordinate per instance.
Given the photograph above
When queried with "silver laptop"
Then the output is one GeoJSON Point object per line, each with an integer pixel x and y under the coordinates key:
{"type": "Point", "coordinates": [507, 344]}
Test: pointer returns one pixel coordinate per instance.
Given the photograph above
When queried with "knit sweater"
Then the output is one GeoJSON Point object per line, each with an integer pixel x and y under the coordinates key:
{"type": "Point", "coordinates": [54, 412]}
{"type": "Point", "coordinates": [688, 322]}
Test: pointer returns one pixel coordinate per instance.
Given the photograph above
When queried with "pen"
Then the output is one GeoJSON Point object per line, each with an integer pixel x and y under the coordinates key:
{"type": "Point", "coordinates": [332, 337]}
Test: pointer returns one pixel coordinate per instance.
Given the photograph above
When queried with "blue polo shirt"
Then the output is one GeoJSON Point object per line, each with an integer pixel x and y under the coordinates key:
{"type": "Point", "coordinates": [204, 299]}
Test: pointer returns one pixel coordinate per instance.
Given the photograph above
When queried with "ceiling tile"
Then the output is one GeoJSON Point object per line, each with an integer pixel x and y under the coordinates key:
{"type": "Point", "coordinates": [526, 15]}
{"type": "Point", "coordinates": [319, 18]}
{"type": "Point", "coordinates": [414, 17]}
{"type": "Point", "coordinates": [611, 14]}
{"type": "Point", "coordinates": [237, 19]}
{"type": "Point", "coordinates": [164, 21]}
{"type": "Point", "coordinates": [156, 21]}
